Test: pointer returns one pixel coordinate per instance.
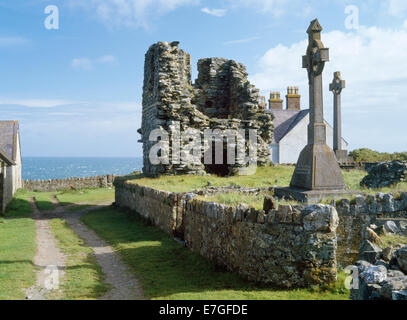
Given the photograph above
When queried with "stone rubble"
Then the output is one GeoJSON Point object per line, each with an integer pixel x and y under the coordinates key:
{"type": "Point", "coordinates": [385, 174]}
{"type": "Point", "coordinates": [384, 278]}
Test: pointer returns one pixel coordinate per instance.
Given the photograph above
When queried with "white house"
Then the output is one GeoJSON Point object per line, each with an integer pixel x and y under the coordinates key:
{"type": "Point", "coordinates": [10, 160]}
{"type": "Point", "coordinates": [291, 128]}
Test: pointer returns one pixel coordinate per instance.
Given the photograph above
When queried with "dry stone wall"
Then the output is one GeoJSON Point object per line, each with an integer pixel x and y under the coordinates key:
{"type": "Point", "coordinates": [286, 248]}
{"type": "Point", "coordinates": [296, 250]}
{"type": "Point", "coordinates": [70, 183]}
{"type": "Point", "coordinates": [168, 211]}
{"type": "Point", "coordinates": [357, 215]}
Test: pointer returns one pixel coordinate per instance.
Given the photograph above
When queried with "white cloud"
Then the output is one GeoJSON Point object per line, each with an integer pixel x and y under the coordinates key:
{"type": "Point", "coordinates": [214, 12]}
{"type": "Point", "coordinates": [13, 41]}
{"type": "Point", "coordinates": [241, 41]}
{"type": "Point", "coordinates": [397, 7]}
{"type": "Point", "coordinates": [131, 12]}
{"type": "Point", "coordinates": [373, 63]}
{"type": "Point", "coordinates": [35, 103]}
{"type": "Point", "coordinates": [82, 63]}
{"type": "Point", "coordinates": [106, 59]}
{"type": "Point", "coordinates": [275, 7]}
{"type": "Point", "coordinates": [89, 64]}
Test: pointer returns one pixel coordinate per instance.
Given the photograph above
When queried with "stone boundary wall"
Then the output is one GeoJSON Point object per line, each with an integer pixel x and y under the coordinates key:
{"type": "Point", "coordinates": [167, 210]}
{"type": "Point", "coordinates": [278, 247]}
{"type": "Point", "coordinates": [358, 214]}
{"type": "Point", "coordinates": [105, 181]}
{"type": "Point", "coordinates": [162, 209]}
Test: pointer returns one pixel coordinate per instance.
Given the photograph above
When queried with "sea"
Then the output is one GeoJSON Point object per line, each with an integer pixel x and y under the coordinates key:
{"type": "Point", "coordinates": [44, 168]}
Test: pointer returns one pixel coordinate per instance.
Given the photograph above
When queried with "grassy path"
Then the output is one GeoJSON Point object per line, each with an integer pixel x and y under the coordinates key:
{"type": "Point", "coordinates": [122, 284]}
{"type": "Point", "coordinates": [94, 270]}
{"type": "Point", "coordinates": [80, 275]}
{"type": "Point", "coordinates": [49, 259]}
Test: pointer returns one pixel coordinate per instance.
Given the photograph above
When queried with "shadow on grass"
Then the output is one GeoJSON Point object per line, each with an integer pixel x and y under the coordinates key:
{"type": "Point", "coordinates": [169, 270]}
{"type": "Point", "coordinates": [18, 208]}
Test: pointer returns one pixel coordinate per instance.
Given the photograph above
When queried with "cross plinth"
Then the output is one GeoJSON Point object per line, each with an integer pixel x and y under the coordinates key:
{"type": "Point", "coordinates": [317, 167]}
{"type": "Point", "coordinates": [336, 87]}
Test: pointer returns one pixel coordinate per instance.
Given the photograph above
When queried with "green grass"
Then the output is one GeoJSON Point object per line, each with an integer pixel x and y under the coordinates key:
{"type": "Point", "coordinates": [169, 271]}
{"type": "Point", "coordinates": [265, 177]}
{"type": "Point", "coordinates": [88, 196]}
{"type": "Point", "coordinates": [43, 200]}
{"type": "Point", "coordinates": [20, 206]}
{"type": "Point", "coordinates": [83, 278]}
{"type": "Point", "coordinates": [234, 199]}
{"type": "Point", "coordinates": [354, 177]}
{"type": "Point", "coordinates": [392, 240]}
{"type": "Point", "coordinates": [17, 249]}
{"type": "Point", "coordinates": [280, 175]}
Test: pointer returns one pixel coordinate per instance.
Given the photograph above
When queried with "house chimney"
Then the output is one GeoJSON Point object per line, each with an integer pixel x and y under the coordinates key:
{"type": "Point", "coordinates": [293, 99]}
{"type": "Point", "coordinates": [275, 102]}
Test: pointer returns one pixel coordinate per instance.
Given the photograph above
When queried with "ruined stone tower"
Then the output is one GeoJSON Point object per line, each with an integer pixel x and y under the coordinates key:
{"type": "Point", "coordinates": [222, 98]}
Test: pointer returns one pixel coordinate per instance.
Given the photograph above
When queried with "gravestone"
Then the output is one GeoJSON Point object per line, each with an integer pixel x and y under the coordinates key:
{"type": "Point", "coordinates": [336, 87]}
{"type": "Point", "coordinates": [317, 174]}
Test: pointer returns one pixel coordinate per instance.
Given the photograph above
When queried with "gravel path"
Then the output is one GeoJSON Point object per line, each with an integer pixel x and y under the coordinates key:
{"type": "Point", "coordinates": [123, 285]}
{"type": "Point", "coordinates": [49, 259]}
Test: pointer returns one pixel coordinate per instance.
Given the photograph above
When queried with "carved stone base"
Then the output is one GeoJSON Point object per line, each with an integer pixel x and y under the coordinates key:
{"type": "Point", "coordinates": [341, 155]}
{"type": "Point", "coordinates": [313, 196]}
{"type": "Point", "coordinates": [317, 169]}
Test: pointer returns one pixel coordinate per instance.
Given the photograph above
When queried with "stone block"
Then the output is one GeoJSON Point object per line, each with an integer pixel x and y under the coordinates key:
{"type": "Point", "coordinates": [320, 218]}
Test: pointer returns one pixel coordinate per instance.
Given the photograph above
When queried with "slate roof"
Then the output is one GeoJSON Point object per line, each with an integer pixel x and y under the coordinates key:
{"type": "Point", "coordinates": [9, 141]}
{"type": "Point", "coordinates": [285, 120]}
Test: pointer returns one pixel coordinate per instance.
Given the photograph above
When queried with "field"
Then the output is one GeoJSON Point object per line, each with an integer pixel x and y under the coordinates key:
{"type": "Point", "coordinates": [166, 269]}
{"type": "Point", "coordinates": [264, 177]}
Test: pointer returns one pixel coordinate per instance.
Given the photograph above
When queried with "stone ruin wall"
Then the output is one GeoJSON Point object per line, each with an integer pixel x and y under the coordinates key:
{"type": "Point", "coordinates": [222, 98]}
{"type": "Point", "coordinates": [277, 247]}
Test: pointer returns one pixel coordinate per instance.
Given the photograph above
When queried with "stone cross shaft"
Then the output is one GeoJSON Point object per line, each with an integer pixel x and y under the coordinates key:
{"type": "Point", "coordinates": [317, 168]}
{"type": "Point", "coordinates": [336, 87]}
{"type": "Point", "coordinates": [314, 62]}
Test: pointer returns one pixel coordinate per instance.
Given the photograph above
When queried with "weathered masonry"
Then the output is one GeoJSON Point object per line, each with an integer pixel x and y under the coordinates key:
{"type": "Point", "coordinates": [284, 246]}
{"type": "Point", "coordinates": [277, 247]}
{"type": "Point", "coordinates": [69, 183]}
{"type": "Point", "coordinates": [221, 98]}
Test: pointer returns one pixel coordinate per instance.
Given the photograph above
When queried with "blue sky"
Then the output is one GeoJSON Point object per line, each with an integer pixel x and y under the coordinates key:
{"type": "Point", "coordinates": [77, 90]}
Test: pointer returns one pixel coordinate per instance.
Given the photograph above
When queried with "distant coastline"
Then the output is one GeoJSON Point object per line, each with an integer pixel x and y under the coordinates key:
{"type": "Point", "coordinates": [44, 168]}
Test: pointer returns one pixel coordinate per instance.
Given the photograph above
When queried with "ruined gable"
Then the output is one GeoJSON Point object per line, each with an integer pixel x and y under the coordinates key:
{"type": "Point", "coordinates": [221, 98]}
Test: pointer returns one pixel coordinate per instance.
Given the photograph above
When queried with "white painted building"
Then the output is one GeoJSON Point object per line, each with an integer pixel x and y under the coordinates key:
{"type": "Point", "coordinates": [291, 128]}
{"type": "Point", "coordinates": [10, 160]}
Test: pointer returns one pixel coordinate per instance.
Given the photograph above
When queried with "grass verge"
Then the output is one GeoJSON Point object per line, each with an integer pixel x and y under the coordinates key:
{"type": "Point", "coordinates": [268, 176]}
{"type": "Point", "coordinates": [83, 278]}
{"type": "Point", "coordinates": [88, 196]}
{"type": "Point", "coordinates": [17, 249]}
{"type": "Point", "coordinates": [392, 240]}
{"type": "Point", "coordinates": [169, 271]}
